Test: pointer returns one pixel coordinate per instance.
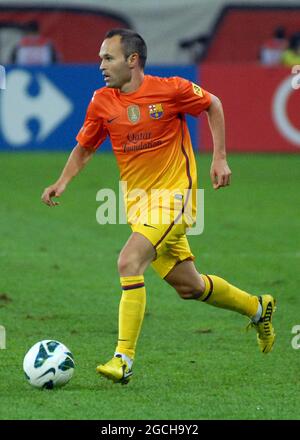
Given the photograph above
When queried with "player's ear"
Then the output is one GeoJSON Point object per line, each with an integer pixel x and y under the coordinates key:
{"type": "Point", "coordinates": [133, 59]}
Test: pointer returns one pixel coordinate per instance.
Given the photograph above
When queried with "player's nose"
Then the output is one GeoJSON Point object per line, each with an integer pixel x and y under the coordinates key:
{"type": "Point", "coordinates": [102, 65]}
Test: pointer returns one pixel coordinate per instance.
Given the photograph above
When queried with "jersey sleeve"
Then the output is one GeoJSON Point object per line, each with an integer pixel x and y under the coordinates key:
{"type": "Point", "coordinates": [93, 133]}
{"type": "Point", "coordinates": [190, 98]}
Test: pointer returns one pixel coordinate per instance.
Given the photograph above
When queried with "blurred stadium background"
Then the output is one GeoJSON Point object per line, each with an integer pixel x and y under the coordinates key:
{"type": "Point", "coordinates": [210, 42]}
{"type": "Point", "coordinates": [58, 267]}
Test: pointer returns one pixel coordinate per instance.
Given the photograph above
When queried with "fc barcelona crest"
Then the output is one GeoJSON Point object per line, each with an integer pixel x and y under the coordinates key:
{"type": "Point", "coordinates": [134, 114]}
{"type": "Point", "coordinates": [156, 111]}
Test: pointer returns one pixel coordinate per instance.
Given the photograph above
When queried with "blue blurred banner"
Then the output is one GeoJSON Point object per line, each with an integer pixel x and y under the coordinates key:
{"type": "Point", "coordinates": [44, 108]}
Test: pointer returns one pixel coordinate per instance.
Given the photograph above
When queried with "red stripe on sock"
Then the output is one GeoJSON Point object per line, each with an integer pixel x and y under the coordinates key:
{"type": "Point", "coordinates": [133, 286]}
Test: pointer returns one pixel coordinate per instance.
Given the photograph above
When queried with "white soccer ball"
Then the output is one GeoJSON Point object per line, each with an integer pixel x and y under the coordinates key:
{"type": "Point", "coordinates": [48, 364]}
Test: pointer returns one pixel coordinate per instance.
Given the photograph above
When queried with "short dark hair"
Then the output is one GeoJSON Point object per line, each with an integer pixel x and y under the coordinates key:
{"type": "Point", "coordinates": [132, 42]}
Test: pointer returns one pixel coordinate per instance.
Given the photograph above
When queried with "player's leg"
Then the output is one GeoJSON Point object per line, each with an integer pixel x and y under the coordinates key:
{"type": "Point", "coordinates": [134, 258]}
{"type": "Point", "coordinates": [211, 289]}
{"type": "Point", "coordinates": [136, 255]}
{"type": "Point", "coordinates": [216, 291]}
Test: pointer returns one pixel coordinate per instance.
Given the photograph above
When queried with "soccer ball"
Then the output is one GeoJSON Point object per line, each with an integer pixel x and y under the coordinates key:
{"type": "Point", "coordinates": [48, 364]}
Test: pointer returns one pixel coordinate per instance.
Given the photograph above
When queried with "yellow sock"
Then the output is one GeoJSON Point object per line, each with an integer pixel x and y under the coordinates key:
{"type": "Point", "coordinates": [131, 313]}
{"type": "Point", "coordinates": [220, 293]}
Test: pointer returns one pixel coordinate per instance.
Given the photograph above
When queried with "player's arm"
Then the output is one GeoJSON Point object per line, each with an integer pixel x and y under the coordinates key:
{"type": "Point", "coordinates": [219, 172]}
{"type": "Point", "coordinates": [76, 161]}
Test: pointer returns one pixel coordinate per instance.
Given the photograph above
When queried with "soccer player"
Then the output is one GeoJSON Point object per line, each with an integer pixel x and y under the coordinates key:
{"type": "Point", "coordinates": [144, 117]}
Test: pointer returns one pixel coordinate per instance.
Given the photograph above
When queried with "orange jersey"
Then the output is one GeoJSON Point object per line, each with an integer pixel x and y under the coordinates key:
{"type": "Point", "coordinates": [148, 131]}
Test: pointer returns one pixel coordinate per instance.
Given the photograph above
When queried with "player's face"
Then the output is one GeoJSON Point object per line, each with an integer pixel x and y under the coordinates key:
{"type": "Point", "coordinates": [115, 68]}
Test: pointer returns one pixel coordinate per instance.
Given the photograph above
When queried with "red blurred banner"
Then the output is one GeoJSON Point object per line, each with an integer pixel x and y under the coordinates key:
{"type": "Point", "coordinates": [261, 104]}
{"type": "Point", "coordinates": [76, 33]}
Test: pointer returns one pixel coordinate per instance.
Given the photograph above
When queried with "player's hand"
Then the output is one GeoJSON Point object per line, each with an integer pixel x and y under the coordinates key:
{"type": "Point", "coordinates": [54, 190]}
{"type": "Point", "coordinates": [220, 173]}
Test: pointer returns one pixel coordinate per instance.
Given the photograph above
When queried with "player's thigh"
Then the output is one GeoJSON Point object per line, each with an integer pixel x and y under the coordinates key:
{"type": "Point", "coordinates": [138, 252]}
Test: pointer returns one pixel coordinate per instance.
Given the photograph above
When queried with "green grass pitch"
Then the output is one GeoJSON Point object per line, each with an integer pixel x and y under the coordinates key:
{"type": "Point", "coordinates": [59, 280]}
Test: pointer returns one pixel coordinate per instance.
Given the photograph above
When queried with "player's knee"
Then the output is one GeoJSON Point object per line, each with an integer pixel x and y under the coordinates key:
{"type": "Point", "coordinates": [186, 294]}
{"type": "Point", "coordinates": [128, 264]}
{"type": "Point", "coordinates": [190, 291]}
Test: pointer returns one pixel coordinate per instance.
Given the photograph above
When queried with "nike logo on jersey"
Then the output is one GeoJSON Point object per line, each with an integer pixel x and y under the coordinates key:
{"type": "Point", "coordinates": [112, 119]}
